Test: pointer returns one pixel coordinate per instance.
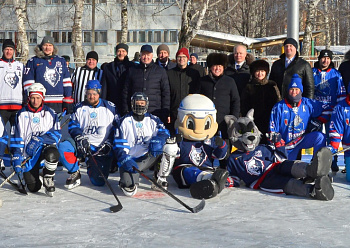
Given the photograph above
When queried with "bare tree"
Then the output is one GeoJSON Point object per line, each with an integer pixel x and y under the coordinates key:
{"type": "Point", "coordinates": [309, 27]}
{"type": "Point", "coordinates": [22, 41]}
{"type": "Point", "coordinates": [77, 33]}
{"type": "Point", "coordinates": [124, 20]}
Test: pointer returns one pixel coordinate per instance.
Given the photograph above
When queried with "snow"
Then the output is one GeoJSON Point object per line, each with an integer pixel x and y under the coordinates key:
{"type": "Point", "coordinates": [238, 217]}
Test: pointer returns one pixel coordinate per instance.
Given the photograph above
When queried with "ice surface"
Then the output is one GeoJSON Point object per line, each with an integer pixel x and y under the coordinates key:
{"type": "Point", "coordinates": [238, 217]}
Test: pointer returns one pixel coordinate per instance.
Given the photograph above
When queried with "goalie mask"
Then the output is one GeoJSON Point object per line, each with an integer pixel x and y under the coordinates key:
{"type": "Point", "coordinates": [139, 103]}
{"type": "Point", "coordinates": [196, 118]}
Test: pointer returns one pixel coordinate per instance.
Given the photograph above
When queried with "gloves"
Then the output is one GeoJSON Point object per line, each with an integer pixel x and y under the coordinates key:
{"type": "Point", "coordinates": [217, 141]}
{"type": "Point", "coordinates": [83, 145]}
{"type": "Point", "coordinates": [17, 160]}
{"type": "Point", "coordinates": [128, 163]}
{"type": "Point", "coordinates": [68, 105]}
{"type": "Point", "coordinates": [155, 146]}
{"type": "Point", "coordinates": [333, 150]}
{"type": "Point", "coordinates": [314, 126]}
{"type": "Point", "coordinates": [275, 139]}
{"type": "Point", "coordinates": [33, 145]}
{"type": "Point", "coordinates": [105, 149]}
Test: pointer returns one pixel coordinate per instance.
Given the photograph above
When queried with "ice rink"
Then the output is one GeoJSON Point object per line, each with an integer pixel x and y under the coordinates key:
{"type": "Point", "coordinates": [238, 217]}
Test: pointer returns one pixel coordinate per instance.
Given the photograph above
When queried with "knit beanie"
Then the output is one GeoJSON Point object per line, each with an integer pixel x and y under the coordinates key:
{"type": "Point", "coordinates": [8, 43]}
{"type": "Point", "coordinates": [183, 51]}
{"type": "Point", "coordinates": [296, 82]}
{"type": "Point", "coordinates": [195, 55]}
{"type": "Point", "coordinates": [92, 55]}
{"type": "Point", "coordinates": [47, 39]}
{"type": "Point", "coordinates": [291, 41]}
{"type": "Point", "coordinates": [325, 53]}
{"type": "Point", "coordinates": [122, 45]}
{"type": "Point", "coordinates": [163, 47]}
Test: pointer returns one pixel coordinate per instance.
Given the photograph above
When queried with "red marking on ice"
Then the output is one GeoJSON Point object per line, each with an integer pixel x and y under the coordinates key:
{"type": "Point", "coordinates": [148, 195]}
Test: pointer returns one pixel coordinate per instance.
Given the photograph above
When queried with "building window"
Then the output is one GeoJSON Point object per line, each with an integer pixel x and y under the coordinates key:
{"type": "Point", "coordinates": [119, 36]}
{"type": "Point", "coordinates": [173, 36]}
{"type": "Point", "coordinates": [60, 36]}
{"type": "Point", "coordinates": [166, 36]}
{"type": "Point", "coordinates": [2, 37]}
{"type": "Point", "coordinates": [31, 35]}
{"type": "Point", "coordinates": [157, 36]}
{"type": "Point", "coordinates": [142, 36]}
{"type": "Point", "coordinates": [86, 37]}
{"type": "Point", "coordinates": [100, 36]}
{"type": "Point", "coordinates": [150, 38]}
{"type": "Point", "coordinates": [56, 36]}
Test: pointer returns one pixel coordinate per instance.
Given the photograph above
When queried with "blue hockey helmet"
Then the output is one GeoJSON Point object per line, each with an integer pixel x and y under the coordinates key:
{"type": "Point", "coordinates": [137, 108]}
{"type": "Point", "coordinates": [93, 85]}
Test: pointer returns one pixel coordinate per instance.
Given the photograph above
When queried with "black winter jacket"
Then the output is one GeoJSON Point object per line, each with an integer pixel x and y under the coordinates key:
{"type": "Point", "coordinates": [112, 82]}
{"type": "Point", "coordinates": [182, 83]}
{"type": "Point", "coordinates": [169, 66]}
{"type": "Point", "coordinates": [153, 81]}
{"type": "Point", "coordinates": [282, 76]}
{"type": "Point", "coordinates": [199, 68]}
{"type": "Point", "coordinates": [344, 70]}
{"type": "Point", "coordinates": [223, 92]}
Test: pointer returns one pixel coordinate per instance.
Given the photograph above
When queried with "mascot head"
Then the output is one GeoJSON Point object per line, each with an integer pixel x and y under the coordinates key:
{"type": "Point", "coordinates": [196, 118]}
{"type": "Point", "coordinates": [243, 133]}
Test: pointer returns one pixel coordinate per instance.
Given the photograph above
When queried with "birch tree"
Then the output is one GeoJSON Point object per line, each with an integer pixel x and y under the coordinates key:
{"type": "Point", "coordinates": [124, 21]}
{"type": "Point", "coordinates": [309, 27]}
{"type": "Point", "coordinates": [77, 34]}
{"type": "Point", "coordinates": [22, 41]}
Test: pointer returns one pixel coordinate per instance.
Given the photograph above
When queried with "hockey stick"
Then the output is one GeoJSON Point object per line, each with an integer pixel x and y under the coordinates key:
{"type": "Point", "coordinates": [196, 209]}
{"type": "Point", "coordinates": [115, 208]}
{"type": "Point", "coordinates": [7, 179]}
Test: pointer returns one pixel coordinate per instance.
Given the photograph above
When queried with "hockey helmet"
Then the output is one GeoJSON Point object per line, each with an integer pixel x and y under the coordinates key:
{"type": "Point", "coordinates": [136, 108]}
{"type": "Point", "coordinates": [93, 85]}
{"type": "Point", "coordinates": [196, 118]}
{"type": "Point", "coordinates": [37, 88]}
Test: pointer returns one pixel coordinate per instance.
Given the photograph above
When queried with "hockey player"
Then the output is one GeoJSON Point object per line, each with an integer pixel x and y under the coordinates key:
{"type": "Point", "coordinates": [11, 89]}
{"type": "Point", "coordinates": [196, 148]}
{"type": "Point", "coordinates": [51, 71]}
{"type": "Point", "coordinates": [299, 119]}
{"type": "Point", "coordinates": [138, 142]}
{"type": "Point", "coordinates": [3, 139]}
{"type": "Point", "coordinates": [35, 135]}
{"type": "Point", "coordinates": [329, 87]}
{"type": "Point", "coordinates": [91, 127]}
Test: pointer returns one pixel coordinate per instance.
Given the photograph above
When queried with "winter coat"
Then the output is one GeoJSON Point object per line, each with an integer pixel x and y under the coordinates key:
{"type": "Point", "coordinates": [182, 82]}
{"type": "Point", "coordinates": [169, 66]}
{"type": "Point", "coordinates": [261, 95]}
{"type": "Point", "coordinates": [242, 75]}
{"type": "Point", "coordinates": [112, 82]}
{"type": "Point", "coordinates": [199, 68]}
{"type": "Point", "coordinates": [223, 92]}
{"type": "Point", "coordinates": [283, 76]}
{"type": "Point", "coordinates": [344, 70]}
{"type": "Point", "coordinates": [153, 81]}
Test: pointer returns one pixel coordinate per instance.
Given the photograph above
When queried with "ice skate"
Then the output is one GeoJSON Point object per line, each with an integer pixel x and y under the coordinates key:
{"type": "Point", "coordinates": [322, 189]}
{"type": "Point", "coordinates": [220, 176]}
{"type": "Point", "coordinates": [129, 191]}
{"type": "Point", "coordinates": [321, 163]}
{"type": "Point", "coordinates": [204, 189]}
{"type": "Point", "coordinates": [49, 185]}
{"type": "Point", "coordinates": [73, 180]}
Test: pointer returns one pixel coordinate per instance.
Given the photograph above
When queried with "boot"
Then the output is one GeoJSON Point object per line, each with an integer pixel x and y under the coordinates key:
{"type": "Point", "coordinates": [73, 180]}
{"type": "Point", "coordinates": [49, 184]}
{"type": "Point", "coordinates": [320, 164]}
{"type": "Point", "coordinates": [322, 189]}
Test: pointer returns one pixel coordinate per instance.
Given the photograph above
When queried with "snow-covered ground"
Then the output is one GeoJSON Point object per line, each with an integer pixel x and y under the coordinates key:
{"type": "Point", "coordinates": [238, 217]}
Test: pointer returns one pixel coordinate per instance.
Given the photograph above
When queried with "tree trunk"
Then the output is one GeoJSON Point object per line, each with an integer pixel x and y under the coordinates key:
{"type": "Point", "coordinates": [124, 21]}
{"type": "Point", "coordinates": [77, 34]}
{"type": "Point", "coordinates": [327, 27]}
{"type": "Point", "coordinates": [309, 27]}
{"type": "Point", "coordinates": [22, 40]}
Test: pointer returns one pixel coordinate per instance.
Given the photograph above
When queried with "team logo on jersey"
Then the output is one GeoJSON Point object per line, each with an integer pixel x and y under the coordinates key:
{"type": "Point", "coordinates": [52, 76]}
{"type": "Point", "coordinates": [93, 115]}
{"type": "Point", "coordinates": [258, 153]}
{"type": "Point", "coordinates": [254, 166]}
{"type": "Point", "coordinates": [11, 79]}
{"type": "Point", "coordinates": [323, 88]}
{"type": "Point", "coordinates": [198, 155]}
{"type": "Point", "coordinates": [36, 120]}
{"type": "Point", "coordinates": [58, 64]}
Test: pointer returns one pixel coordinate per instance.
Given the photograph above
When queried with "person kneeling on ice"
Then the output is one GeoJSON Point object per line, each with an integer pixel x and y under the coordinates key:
{"type": "Point", "coordinates": [196, 147]}
{"type": "Point", "coordinates": [92, 127]}
{"type": "Point", "coordinates": [266, 166]}
{"type": "Point", "coordinates": [35, 136]}
{"type": "Point", "coordinates": [139, 140]}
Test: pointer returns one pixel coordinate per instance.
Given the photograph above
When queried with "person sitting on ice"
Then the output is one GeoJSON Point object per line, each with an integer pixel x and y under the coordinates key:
{"type": "Point", "coordinates": [92, 128]}
{"type": "Point", "coordinates": [266, 166]}
{"type": "Point", "coordinates": [193, 152]}
{"type": "Point", "coordinates": [35, 136]}
{"type": "Point", "coordinates": [138, 142]}
{"type": "Point", "coordinates": [299, 120]}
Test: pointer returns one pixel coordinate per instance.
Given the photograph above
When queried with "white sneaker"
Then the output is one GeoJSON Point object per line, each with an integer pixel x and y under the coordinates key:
{"type": "Point", "coordinates": [129, 191]}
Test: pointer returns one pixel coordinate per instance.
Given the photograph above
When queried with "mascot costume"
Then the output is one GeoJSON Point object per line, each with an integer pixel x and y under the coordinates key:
{"type": "Point", "coordinates": [192, 152]}
{"type": "Point", "coordinates": [266, 166]}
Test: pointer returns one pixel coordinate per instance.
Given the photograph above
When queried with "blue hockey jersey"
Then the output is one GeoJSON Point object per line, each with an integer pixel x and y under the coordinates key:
{"type": "Point", "coordinates": [96, 123]}
{"type": "Point", "coordinates": [3, 138]}
{"type": "Point", "coordinates": [329, 87]}
{"type": "Point", "coordinates": [339, 128]}
{"type": "Point", "coordinates": [53, 74]}
{"type": "Point", "coordinates": [291, 122]}
{"type": "Point", "coordinates": [251, 166]}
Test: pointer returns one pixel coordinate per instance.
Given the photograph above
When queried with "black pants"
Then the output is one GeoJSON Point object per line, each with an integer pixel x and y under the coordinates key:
{"type": "Point", "coordinates": [8, 115]}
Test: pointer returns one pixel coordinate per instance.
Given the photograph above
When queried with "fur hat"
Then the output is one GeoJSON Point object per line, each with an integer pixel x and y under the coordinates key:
{"type": "Point", "coordinates": [217, 59]}
{"type": "Point", "coordinates": [163, 47]}
{"type": "Point", "coordinates": [296, 82]}
{"type": "Point", "coordinates": [259, 65]}
{"type": "Point", "coordinates": [47, 39]}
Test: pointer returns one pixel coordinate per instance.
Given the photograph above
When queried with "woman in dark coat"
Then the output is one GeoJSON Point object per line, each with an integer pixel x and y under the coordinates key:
{"type": "Point", "coordinates": [260, 94]}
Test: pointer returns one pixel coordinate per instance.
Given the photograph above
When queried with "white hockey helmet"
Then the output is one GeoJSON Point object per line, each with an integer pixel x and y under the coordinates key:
{"type": "Point", "coordinates": [37, 87]}
{"type": "Point", "coordinates": [197, 105]}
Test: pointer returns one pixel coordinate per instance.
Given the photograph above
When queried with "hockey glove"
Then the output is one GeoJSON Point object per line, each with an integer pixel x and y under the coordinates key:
{"type": "Point", "coordinates": [217, 141]}
{"type": "Point", "coordinates": [17, 160]}
{"type": "Point", "coordinates": [128, 163]}
{"type": "Point", "coordinates": [83, 145]}
{"type": "Point", "coordinates": [275, 139]}
{"type": "Point", "coordinates": [314, 125]}
{"type": "Point", "coordinates": [68, 105]}
{"type": "Point", "coordinates": [155, 146]}
{"type": "Point", "coordinates": [33, 145]}
{"type": "Point", "coordinates": [333, 150]}
{"type": "Point", "coordinates": [105, 149]}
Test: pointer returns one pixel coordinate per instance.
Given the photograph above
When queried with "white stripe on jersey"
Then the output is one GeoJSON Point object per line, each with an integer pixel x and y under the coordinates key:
{"type": "Point", "coordinates": [80, 77]}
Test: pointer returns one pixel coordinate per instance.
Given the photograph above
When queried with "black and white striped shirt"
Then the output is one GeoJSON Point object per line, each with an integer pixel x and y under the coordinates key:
{"type": "Point", "coordinates": [80, 77]}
